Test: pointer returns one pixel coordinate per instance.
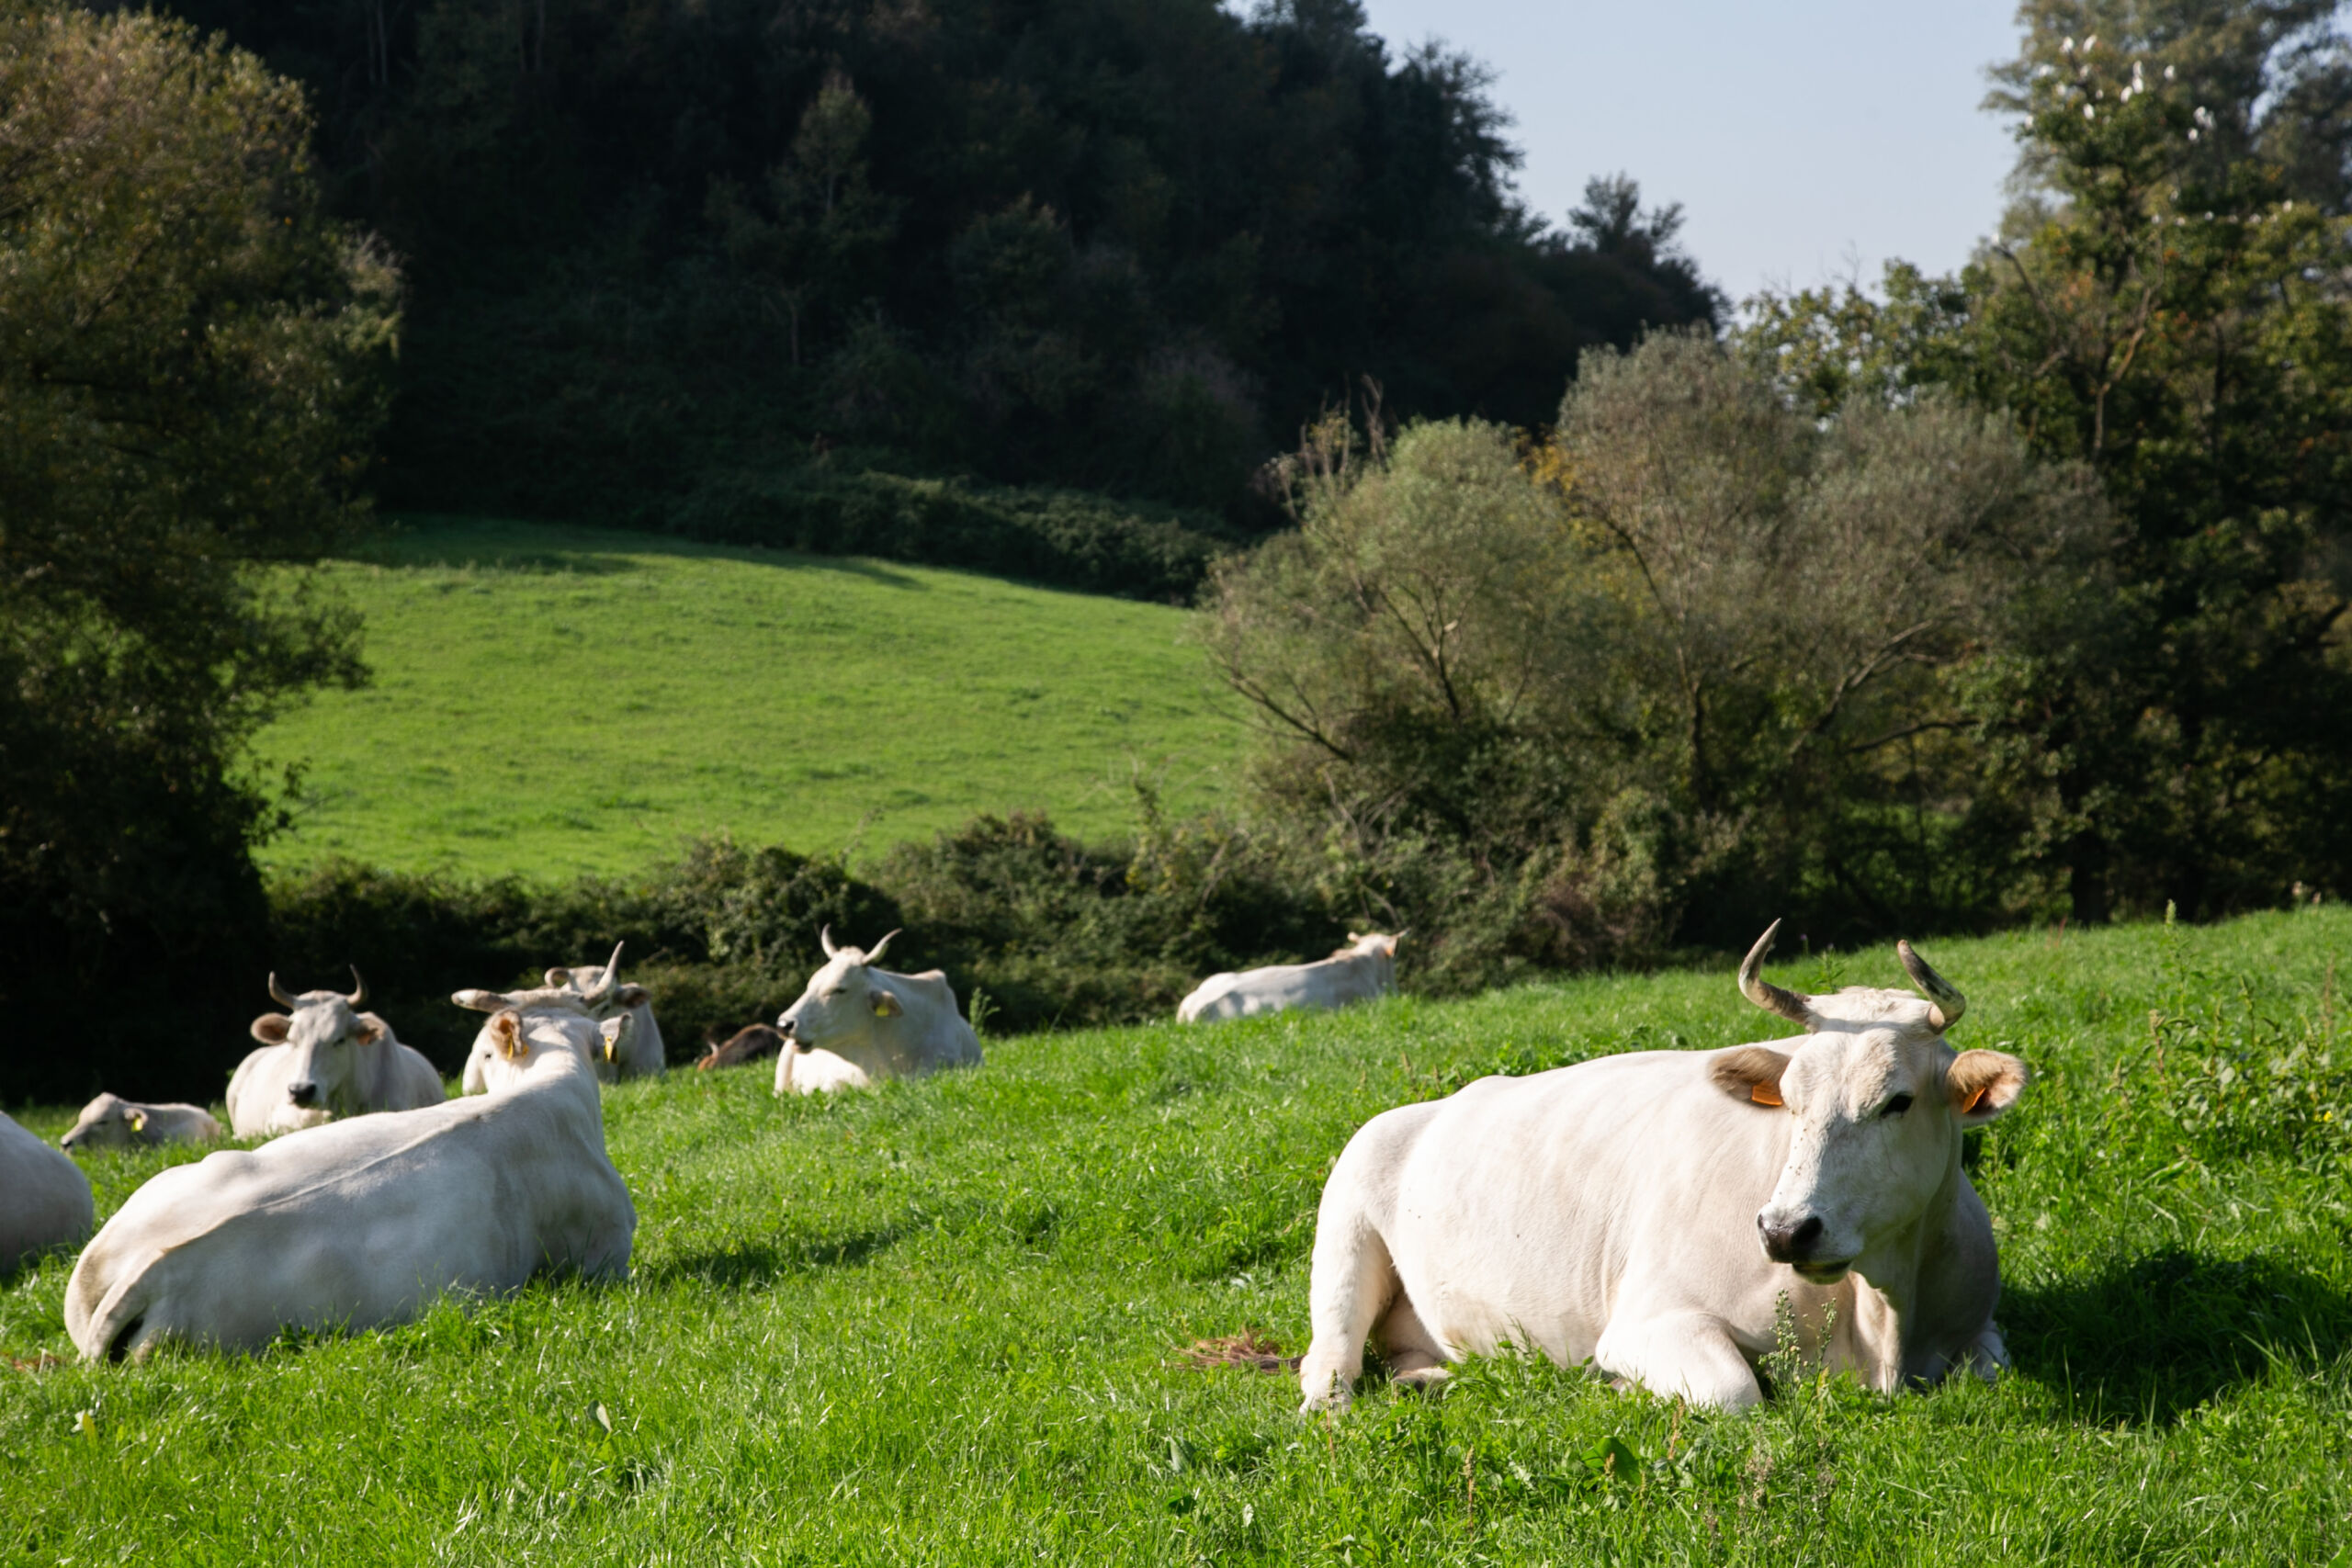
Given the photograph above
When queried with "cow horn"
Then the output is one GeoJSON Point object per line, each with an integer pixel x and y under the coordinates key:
{"type": "Point", "coordinates": [612, 977]}
{"type": "Point", "coordinates": [1944, 1004]}
{"type": "Point", "coordinates": [825, 940]}
{"type": "Point", "coordinates": [358, 997]}
{"type": "Point", "coordinates": [1790, 1005]}
{"type": "Point", "coordinates": [278, 993]}
{"type": "Point", "coordinates": [874, 953]}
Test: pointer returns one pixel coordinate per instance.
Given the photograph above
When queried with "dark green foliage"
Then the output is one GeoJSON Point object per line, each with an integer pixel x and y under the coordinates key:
{"type": "Point", "coordinates": [187, 392]}
{"type": "Point", "coordinates": [1125, 247]}
{"type": "Point", "coordinates": [723, 936]}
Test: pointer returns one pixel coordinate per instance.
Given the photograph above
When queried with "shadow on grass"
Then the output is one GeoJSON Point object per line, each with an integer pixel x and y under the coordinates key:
{"type": "Point", "coordinates": [574, 550]}
{"type": "Point", "coordinates": [2147, 1339]}
{"type": "Point", "coordinates": [739, 1264]}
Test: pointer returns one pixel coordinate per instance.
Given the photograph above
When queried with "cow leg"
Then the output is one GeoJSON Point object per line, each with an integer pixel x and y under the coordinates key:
{"type": "Point", "coordinates": [1415, 1357]}
{"type": "Point", "coordinates": [1352, 1284]}
{"type": "Point", "coordinates": [1686, 1354]}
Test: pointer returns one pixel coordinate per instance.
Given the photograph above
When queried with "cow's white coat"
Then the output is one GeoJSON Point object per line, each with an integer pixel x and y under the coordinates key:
{"type": "Point", "coordinates": [1357, 972]}
{"type": "Point", "coordinates": [111, 1121]}
{"type": "Point", "coordinates": [44, 1197]}
{"type": "Point", "coordinates": [1622, 1210]}
{"type": "Point", "coordinates": [364, 1222]}
{"type": "Point", "coordinates": [646, 1055]}
{"type": "Point", "coordinates": [856, 1023]}
{"type": "Point", "coordinates": [593, 992]}
{"type": "Point", "coordinates": [325, 1060]}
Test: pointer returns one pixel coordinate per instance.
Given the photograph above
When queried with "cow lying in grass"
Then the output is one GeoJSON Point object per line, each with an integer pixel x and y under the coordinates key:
{"type": "Point", "coordinates": [364, 1222]}
{"type": "Point", "coordinates": [646, 1054]}
{"type": "Point", "coordinates": [44, 1197]}
{"type": "Point", "coordinates": [111, 1121]}
{"type": "Point", "coordinates": [1358, 972]}
{"type": "Point", "coordinates": [856, 1023]}
{"type": "Point", "coordinates": [612, 1053]}
{"type": "Point", "coordinates": [1649, 1210]}
{"type": "Point", "coordinates": [751, 1041]}
{"type": "Point", "coordinates": [327, 1059]}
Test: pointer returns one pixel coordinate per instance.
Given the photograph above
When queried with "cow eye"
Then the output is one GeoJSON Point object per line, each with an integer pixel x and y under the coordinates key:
{"type": "Point", "coordinates": [836, 991]}
{"type": "Point", "coordinates": [1897, 1105]}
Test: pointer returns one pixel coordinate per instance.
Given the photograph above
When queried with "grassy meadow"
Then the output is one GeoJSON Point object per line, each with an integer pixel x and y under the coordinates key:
{"type": "Point", "coordinates": [553, 700]}
{"type": "Point", "coordinates": [941, 1324]}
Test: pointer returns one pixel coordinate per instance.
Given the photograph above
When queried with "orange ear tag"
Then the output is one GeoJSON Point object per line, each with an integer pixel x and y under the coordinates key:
{"type": "Point", "coordinates": [1764, 1093]}
{"type": "Point", "coordinates": [1975, 1100]}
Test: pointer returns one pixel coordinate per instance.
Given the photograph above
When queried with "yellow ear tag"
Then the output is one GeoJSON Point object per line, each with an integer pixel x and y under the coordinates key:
{"type": "Point", "coordinates": [137, 1119]}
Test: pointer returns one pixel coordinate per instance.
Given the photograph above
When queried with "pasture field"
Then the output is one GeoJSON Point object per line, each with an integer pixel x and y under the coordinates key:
{"type": "Point", "coordinates": [553, 700]}
{"type": "Point", "coordinates": [941, 1324]}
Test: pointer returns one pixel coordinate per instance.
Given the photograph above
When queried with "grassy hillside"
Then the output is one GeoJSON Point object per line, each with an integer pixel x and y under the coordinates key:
{"type": "Point", "coordinates": [558, 700]}
{"type": "Point", "coordinates": [940, 1323]}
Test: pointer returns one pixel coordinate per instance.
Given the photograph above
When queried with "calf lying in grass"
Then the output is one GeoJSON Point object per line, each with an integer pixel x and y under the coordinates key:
{"type": "Point", "coordinates": [1650, 1211]}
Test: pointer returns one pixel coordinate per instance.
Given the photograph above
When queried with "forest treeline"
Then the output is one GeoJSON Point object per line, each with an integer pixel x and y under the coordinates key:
{"type": "Point", "coordinates": [699, 266]}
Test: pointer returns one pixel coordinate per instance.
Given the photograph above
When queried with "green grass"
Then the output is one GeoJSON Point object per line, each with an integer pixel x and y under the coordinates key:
{"type": "Point", "coordinates": [552, 700]}
{"type": "Point", "coordinates": [938, 1324]}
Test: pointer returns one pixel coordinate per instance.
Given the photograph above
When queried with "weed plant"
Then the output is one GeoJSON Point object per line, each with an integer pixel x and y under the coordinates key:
{"type": "Point", "coordinates": [942, 1323]}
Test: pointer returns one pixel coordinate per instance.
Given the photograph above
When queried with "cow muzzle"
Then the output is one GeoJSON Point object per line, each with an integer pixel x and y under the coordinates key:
{"type": "Point", "coordinates": [305, 1093]}
{"type": "Point", "coordinates": [1797, 1241]}
{"type": "Point", "coordinates": [789, 1027]}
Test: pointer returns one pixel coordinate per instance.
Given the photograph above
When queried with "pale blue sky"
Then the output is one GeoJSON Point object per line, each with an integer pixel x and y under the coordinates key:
{"type": "Point", "coordinates": [1799, 135]}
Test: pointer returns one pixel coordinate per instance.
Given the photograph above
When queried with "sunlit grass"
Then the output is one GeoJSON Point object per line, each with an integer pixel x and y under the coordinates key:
{"type": "Point", "coordinates": [940, 1325]}
{"type": "Point", "coordinates": [552, 700]}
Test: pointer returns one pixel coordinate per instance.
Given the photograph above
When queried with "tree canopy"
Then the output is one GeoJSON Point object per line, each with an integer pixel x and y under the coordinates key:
{"type": "Point", "coordinates": [190, 381]}
{"type": "Point", "coordinates": [1124, 244]}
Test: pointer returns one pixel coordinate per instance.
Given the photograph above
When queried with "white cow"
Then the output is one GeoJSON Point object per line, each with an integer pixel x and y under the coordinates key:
{"type": "Point", "coordinates": [1364, 969]}
{"type": "Point", "coordinates": [44, 1197]}
{"type": "Point", "coordinates": [856, 1023]}
{"type": "Point", "coordinates": [1649, 1210]}
{"type": "Point", "coordinates": [610, 1052]}
{"type": "Point", "coordinates": [327, 1060]}
{"type": "Point", "coordinates": [364, 1222]}
{"type": "Point", "coordinates": [645, 1056]}
{"type": "Point", "coordinates": [111, 1121]}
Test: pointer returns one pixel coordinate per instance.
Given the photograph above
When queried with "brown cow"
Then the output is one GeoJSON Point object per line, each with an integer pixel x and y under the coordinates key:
{"type": "Point", "coordinates": [751, 1040]}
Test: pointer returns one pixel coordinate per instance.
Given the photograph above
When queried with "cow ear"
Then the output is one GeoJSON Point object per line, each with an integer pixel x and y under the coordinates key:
{"type": "Point", "coordinates": [371, 1029]}
{"type": "Point", "coordinates": [271, 1028]}
{"type": "Point", "coordinates": [506, 1033]}
{"type": "Point", "coordinates": [1983, 1084]}
{"type": "Point", "coordinates": [632, 996]}
{"type": "Point", "coordinates": [1751, 1073]}
{"type": "Point", "coordinates": [137, 1119]}
{"type": "Point", "coordinates": [885, 1005]}
{"type": "Point", "coordinates": [479, 1001]}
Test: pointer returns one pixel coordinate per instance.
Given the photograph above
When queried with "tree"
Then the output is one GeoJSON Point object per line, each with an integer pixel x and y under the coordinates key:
{"type": "Point", "coordinates": [2167, 306]}
{"type": "Point", "coordinates": [1697, 661]}
{"type": "Point", "coordinates": [191, 373]}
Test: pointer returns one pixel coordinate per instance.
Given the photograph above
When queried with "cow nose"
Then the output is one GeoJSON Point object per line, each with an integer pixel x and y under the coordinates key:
{"type": "Point", "coordinates": [1789, 1241]}
{"type": "Point", "coordinates": [302, 1093]}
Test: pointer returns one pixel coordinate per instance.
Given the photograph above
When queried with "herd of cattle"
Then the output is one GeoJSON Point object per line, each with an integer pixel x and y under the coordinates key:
{"type": "Point", "coordinates": [1823, 1170]}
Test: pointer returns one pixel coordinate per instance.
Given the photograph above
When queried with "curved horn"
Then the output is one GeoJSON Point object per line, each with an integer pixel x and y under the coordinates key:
{"type": "Point", "coordinates": [612, 976]}
{"type": "Point", "coordinates": [1790, 1005]}
{"type": "Point", "coordinates": [825, 939]}
{"type": "Point", "coordinates": [1944, 1004]}
{"type": "Point", "coordinates": [358, 997]}
{"type": "Point", "coordinates": [874, 953]}
{"type": "Point", "coordinates": [278, 993]}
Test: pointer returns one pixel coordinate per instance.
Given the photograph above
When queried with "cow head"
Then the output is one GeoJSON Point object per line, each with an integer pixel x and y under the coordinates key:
{"type": "Point", "coordinates": [1880, 1102]}
{"type": "Point", "coordinates": [593, 984]}
{"type": "Point", "coordinates": [842, 1001]}
{"type": "Point", "coordinates": [1372, 944]}
{"type": "Point", "coordinates": [326, 1032]}
{"type": "Point", "coordinates": [517, 1042]}
{"type": "Point", "coordinates": [109, 1122]}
